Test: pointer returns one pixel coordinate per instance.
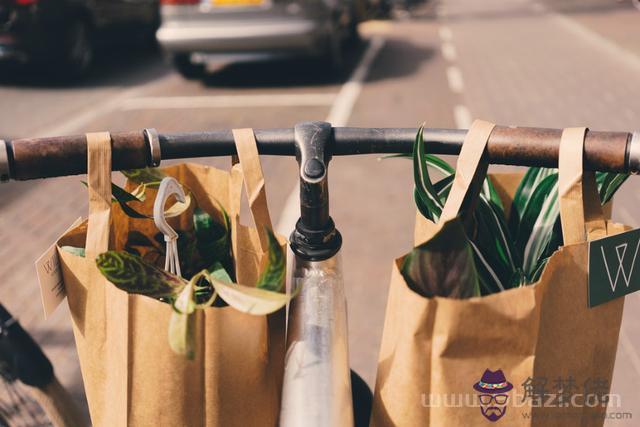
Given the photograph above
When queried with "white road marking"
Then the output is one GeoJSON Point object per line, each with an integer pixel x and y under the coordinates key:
{"type": "Point", "coordinates": [445, 33]}
{"type": "Point", "coordinates": [462, 117]}
{"type": "Point", "coordinates": [229, 101]}
{"type": "Point", "coordinates": [348, 95]}
{"type": "Point", "coordinates": [628, 348]}
{"type": "Point", "coordinates": [111, 103]}
{"type": "Point", "coordinates": [338, 116]}
{"type": "Point", "coordinates": [594, 39]}
{"type": "Point", "coordinates": [454, 77]}
{"type": "Point", "coordinates": [449, 51]}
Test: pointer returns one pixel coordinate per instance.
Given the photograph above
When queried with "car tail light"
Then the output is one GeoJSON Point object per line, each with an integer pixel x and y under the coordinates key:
{"type": "Point", "coordinates": [178, 2]}
{"type": "Point", "coordinates": [25, 2]}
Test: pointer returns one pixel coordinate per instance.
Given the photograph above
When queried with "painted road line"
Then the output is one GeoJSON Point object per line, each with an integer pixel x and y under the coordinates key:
{"type": "Point", "coordinates": [454, 77]}
{"type": "Point", "coordinates": [462, 117]}
{"type": "Point", "coordinates": [449, 51]}
{"type": "Point", "coordinates": [445, 33]}
{"type": "Point", "coordinates": [348, 95]}
{"type": "Point", "coordinates": [111, 103]}
{"type": "Point", "coordinates": [229, 101]}
{"type": "Point", "coordinates": [338, 116]}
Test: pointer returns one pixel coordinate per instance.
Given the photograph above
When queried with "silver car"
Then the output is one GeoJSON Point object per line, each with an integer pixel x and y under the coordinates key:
{"type": "Point", "coordinates": [194, 32]}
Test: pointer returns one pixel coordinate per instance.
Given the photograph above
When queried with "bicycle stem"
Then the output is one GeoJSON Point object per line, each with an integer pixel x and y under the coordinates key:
{"type": "Point", "coordinates": [315, 237]}
{"type": "Point", "coordinates": [317, 387]}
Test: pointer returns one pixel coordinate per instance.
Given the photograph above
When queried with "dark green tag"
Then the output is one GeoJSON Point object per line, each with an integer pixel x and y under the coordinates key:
{"type": "Point", "coordinates": [614, 268]}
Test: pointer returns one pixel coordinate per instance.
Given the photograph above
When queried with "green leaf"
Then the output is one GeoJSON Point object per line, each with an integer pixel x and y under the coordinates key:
{"type": "Point", "coordinates": [136, 238]}
{"type": "Point", "coordinates": [149, 176]}
{"type": "Point", "coordinates": [489, 281]}
{"type": "Point", "coordinates": [74, 251]}
{"type": "Point", "coordinates": [609, 183]}
{"type": "Point", "coordinates": [182, 323]}
{"type": "Point", "coordinates": [272, 277]}
{"type": "Point", "coordinates": [522, 197]}
{"type": "Point", "coordinates": [251, 300]}
{"type": "Point", "coordinates": [218, 272]}
{"type": "Point", "coordinates": [490, 194]}
{"type": "Point", "coordinates": [537, 224]}
{"type": "Point", "coordinates": [213, 240]}
{"type": "Point", "coordinates": [425, 194]}
{"type": "Point", "coordinates": [493, 241]}
{"type": "Point", "coordinates": [443, 266]}
{"type": "Point", "coordinates": [123, 198]}
{"type": "Point", "coordinates": [136, 276]}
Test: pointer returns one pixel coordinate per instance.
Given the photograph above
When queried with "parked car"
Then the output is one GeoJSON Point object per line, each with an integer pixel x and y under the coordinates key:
{"type": "Point", "coordinates": [196, 31]}
{"type": "Point", "coordinates": [66, 32]}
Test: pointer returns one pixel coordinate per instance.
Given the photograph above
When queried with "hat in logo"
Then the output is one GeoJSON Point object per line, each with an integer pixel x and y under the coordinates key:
{"type": "Point", "coordinates": [493, 382]}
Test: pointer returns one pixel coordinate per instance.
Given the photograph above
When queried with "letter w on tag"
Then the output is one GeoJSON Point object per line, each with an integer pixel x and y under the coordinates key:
{"type": "Point", "coordinates": [612, 267]}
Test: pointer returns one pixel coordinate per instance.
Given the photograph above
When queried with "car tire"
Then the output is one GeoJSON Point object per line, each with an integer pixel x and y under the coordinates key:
{"type": "Point", "coordinates": [79, 49]}
{"type": "Point", "coordinates": [187, 69]}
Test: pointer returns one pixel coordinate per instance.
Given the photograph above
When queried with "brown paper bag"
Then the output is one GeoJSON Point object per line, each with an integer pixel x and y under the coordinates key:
{"type": "Point", "coordinates": [131, 375]}
{"type": "Point", "coordinates": [438, 355]}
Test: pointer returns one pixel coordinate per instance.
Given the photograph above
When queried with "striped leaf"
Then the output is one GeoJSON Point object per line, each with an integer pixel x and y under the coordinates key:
{"type": "Point", "coordinates": [608, 184]}
{"type": "Point", "coordinates": [537, 223]}
{"type": "Point", "coordinates": [531, 179]}
{"type": "Point", "coordinates": [492, 239]}
{"type": "Point", "coordinates": [425, 194]}
{"type": "Point", "coordinates": [132, 274]}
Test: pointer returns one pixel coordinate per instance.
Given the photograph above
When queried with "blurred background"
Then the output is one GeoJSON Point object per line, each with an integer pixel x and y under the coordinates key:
{"type": "Point", "coordinates": [72, 66]}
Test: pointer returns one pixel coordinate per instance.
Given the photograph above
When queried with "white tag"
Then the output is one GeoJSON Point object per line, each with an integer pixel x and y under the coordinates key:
{"type": "Point", "coordinates": [50, 279]}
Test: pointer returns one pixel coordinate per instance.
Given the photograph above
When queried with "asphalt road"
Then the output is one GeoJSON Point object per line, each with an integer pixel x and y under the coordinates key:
{"type": "Point", "coordinates": [515, 62]}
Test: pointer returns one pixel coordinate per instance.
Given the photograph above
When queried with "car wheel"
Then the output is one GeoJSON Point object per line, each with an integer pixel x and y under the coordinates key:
{"type": "Point", "coordinates": [79, 49]}
{"type": "Point", "coordinates": [182, 62]}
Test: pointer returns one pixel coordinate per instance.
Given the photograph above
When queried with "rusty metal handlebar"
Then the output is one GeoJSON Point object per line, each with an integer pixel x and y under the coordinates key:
{"type": "Point", "coordinates": [25, 159]}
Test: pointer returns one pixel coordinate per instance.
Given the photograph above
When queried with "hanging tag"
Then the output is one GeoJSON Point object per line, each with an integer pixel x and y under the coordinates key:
{"type": "Point", "coordinates": [614, 268]}
{"type": "Point", "coordinates": [50, 279]}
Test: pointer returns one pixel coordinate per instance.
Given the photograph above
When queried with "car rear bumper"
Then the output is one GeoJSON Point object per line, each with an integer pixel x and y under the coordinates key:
{"type": "Point", "coordinates": [269, 35]}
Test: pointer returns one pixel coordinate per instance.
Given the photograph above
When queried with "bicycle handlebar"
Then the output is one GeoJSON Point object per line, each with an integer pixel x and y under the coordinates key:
{"type": "Point", "coordinates": [25, 159]}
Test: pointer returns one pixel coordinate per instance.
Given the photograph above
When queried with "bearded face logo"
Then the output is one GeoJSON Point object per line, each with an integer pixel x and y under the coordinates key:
{"type": "Point", "coordinates": [493, 390]}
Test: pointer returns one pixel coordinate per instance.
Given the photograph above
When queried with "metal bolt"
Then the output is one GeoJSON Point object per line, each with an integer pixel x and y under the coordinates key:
{"type": "Point", "coordinates": [314, 169]}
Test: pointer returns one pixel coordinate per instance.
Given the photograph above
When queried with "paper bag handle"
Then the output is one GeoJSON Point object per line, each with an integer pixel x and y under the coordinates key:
{"type": "Point", "coordinates": [99, 185]}
{"type": "Point", "coordinates": [249, 161]}
{"type": "Point", "coordinates": [581, 213]}
{"type": "Point", "coordinates": [471, 169]}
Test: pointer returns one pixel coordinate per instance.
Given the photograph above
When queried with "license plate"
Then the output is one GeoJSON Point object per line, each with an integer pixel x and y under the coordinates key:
{"type": "Point", "coordinates": [237, 3]}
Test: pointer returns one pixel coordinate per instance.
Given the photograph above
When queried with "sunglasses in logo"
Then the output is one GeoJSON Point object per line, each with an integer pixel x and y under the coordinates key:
{"type": "Point", "coordinates": [500, 399]}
